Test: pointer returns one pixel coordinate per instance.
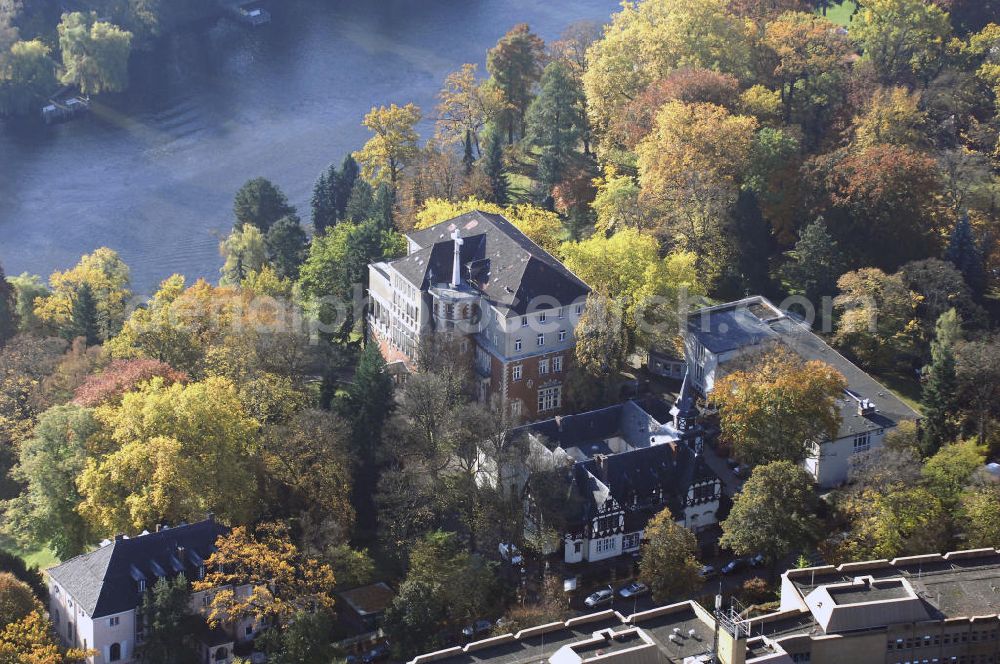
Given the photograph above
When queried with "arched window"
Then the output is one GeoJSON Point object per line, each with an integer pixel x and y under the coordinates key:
{"type": "Point", "coordinates": [221, 655]}
{"type": "Point", "coordinates": [115, 652]}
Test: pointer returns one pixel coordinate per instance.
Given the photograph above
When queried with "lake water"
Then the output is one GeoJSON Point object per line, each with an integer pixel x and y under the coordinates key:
{"type": "Point", "coordinates": [152, 173]}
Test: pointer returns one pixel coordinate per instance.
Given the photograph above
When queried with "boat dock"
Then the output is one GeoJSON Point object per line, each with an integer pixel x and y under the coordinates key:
{"type": "Point", "coordinates": [248, 13]}
{"type": "Point", "coordinates": [64, 109]}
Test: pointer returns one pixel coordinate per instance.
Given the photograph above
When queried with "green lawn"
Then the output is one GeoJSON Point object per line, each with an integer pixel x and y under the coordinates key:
{"type": "Point", "coordinates": [40, 558]}
{"type": "Point", "coordinates": [841, 14]}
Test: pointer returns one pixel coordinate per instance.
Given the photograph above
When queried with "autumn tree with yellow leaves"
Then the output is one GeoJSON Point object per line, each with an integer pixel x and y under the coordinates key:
{"type": "Point", "coordinates": [393, 144]}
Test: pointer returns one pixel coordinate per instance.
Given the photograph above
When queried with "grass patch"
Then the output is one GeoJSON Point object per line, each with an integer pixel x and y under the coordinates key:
{"type": "Point", "coordinates": [841, 14]}
{"type": "Point", "coordinates": [41, 558]}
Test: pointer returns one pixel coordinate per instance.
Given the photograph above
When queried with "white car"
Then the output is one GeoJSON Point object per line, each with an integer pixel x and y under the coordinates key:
{"type": "Point", "coordinates": [602, 596]}
{"type": "Point", "coordinates": [510, 553]}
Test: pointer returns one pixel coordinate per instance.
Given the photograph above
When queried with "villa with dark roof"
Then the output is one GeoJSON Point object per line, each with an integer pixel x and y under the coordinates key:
{"type": "Point", "coordinates": [510, 307]}
{"type": "Point", "coordinates": [95, 599]}
{"type": "Point", "coordinates": [720, 337]}
{"type": "Point", "coordinates": [607, 472]}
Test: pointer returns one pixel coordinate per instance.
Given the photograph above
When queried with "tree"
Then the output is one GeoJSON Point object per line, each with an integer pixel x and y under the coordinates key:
{"type": "Point", "coordinates": [877, 312]}
{"type": "Point", "coordinates": [393, 145]}
{"type": "Point", "coordinates": [304, 641]}
{"type": "Point", "coordinates": [286, 244]}
{"type": "Point", "coordinates": [94, 53]}
{"type": "Point", "coordinates": [444, 588]}
{"type": "Point", "coordinates": [349, 174]}
{"type": "Point", "coordinates": [668, 564]}
{"type": "Point", "coordinates": [32, 641]}
{"type": "Point", "coordinates": [809, 56]}
{"type": "Point", "coordinates": [382, 207]}
{"type": "Point", "coordinates": [282, 580]}
{"type": "Point", "coordinates": [120, 377]}
{"type": "Point", "coordinates": [360, 202]}
{"type": "Point", "coordinates": [27, 76]}
{"type": "Point", "coordinates": [323, 202]}
{"type": "Point", "coordinates": [555, 121]}
{"type": "Point", "coordinates": [893, 117]}
{"type": "Point", "coordinates": [17, 600]}
{"type": "Point", "coordinates": [259, 202]}
{"type": "Point", "coordinates": [978, 370]}
{"type": "Point", "coordinates": [495, 170]}
{"type": "Point", "coordinates": [951, 469]}
{"type": "Point", "coordinates": [601, 338]}
{"type": "Point", "coordinates": [939, 287]}
{"type": "Point", "coordinates": [647, 41]}
{"type": "Point", "coordinates": [176, 453]}
{"type": "Point", "coordinates": [814, 264]}
{"type": "Point", "coordinates": [980, 513]}
{"type": "Point", "coordinates": [689, 168]}
{"type": "Point", "coordinates": [28, 289]}
{"type": "Point", "coordinates": [542, 226]}
{"type": "Point", "coordinates": [370, 403]}
{"type": "Point", "coordinates": [515, 64]}
{"type": "Point", "coordinates": [901, 38]}
{"type": "Point", "coordinates": [467, 106]}
{"type": "Point", "coordinates": [167, 623]}
{"type": "Point", "coordinates": [107, 277]}
{"type": "Point", "coordinates": [84, 317]}
{"type": "Point", "coordinates": [779, 407]}
{"type": "Point", "coordinates": [244, 251]}
{"type": "Point", "coordinates": [963, 252]}
{"type": "Point", "coordinates": [774, 514]}
{"type": "Point", "coordinates": [904, 521]}
{"type": "Point", "coordinates": [48, 464]}
{"type": "Point", "coordinates": [9, 319]}
{"type": "Point", "coordinates": [941, 387]}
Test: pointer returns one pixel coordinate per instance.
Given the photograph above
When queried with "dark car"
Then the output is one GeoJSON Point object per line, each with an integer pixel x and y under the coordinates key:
{"type": "Point", "coordinates": [378, 653]}
{"type": "Point", "coordinates": [707, 572]}
{"type": "Point", "coordinates": [733, 566]}
{"type": "Point", "coordinates": [757, 560]}
{"type": "Point", "coordinates": [477, 628]}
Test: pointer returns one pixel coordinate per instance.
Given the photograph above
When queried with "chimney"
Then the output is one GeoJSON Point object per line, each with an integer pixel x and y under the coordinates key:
{"type": "Point", "coordinates": [456, 266]}
{"type": "Point", "coordinates": [159, 527]}
{"type": "Point", "coordinates": [119, 537]}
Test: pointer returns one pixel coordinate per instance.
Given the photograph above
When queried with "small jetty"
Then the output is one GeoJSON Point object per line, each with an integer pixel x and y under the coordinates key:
{"type": "Point", "coordinates": [63, 109]}
{"type": "Point", "coordinates": [249, 13]}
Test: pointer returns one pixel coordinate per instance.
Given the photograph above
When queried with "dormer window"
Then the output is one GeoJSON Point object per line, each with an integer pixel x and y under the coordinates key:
{"type": "Point", "coordinates": [142, 585]}
{"type": "Point", "coordinates": [201, 572]}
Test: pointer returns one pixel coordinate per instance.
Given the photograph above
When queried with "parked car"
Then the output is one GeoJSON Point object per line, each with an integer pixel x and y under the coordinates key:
{"type": "Point", "coordinates": [707, 572]}
{"type": "Point", "coordinates": [510, 554]}
{"type": "Point", "coordinates": [634, 589]}
{"type": "Point", "coordinates": [378, 653]}
{"type": "Point", "coordinates": [733, 566]}
{"type": "Point", "coordinates": [757, 560]}
{"type": "Point", "coordinates": [602, 596]}
{"type": "Point", "coordinates": [477, 628]}
{"type": "Point", "coordinates": [733, 464]}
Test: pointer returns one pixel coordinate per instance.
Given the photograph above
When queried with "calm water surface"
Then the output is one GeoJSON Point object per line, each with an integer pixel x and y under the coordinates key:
{"type": "Point", "coordinates": [152, 173]}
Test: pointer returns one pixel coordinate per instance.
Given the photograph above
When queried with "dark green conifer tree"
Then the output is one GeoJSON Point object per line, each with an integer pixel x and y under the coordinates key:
{"type": "Point", "coordinates": [8, 309]}
{"type": "Point", "coordinates": [941, 387]}
{"type": "Point", "coordinates": [494, 169]}
{"type": "Point", "coordinates": [349, 173]}
{"type": "Point", "coordinates": [963, 251]}
{"type": "Point", "coordinates": [382, 207]}
{"type": "Point", "coordinates": [360, 203]}
{"type": "Point", "coordinates": [85, 322]}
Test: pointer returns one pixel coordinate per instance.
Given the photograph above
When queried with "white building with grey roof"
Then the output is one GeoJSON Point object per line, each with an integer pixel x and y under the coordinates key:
{"type": "Point", "coordinates": [721, 337]}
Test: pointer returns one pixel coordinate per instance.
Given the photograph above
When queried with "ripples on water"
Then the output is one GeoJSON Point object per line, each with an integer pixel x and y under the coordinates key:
{"type": "Point", "coordinates": [152, 173]}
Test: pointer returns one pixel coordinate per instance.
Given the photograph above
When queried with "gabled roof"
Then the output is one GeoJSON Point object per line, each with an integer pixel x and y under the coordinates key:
{"type": "Point", "coordinates": [498, 261]}
{"type": "Point", "coordinates": [105, 581]}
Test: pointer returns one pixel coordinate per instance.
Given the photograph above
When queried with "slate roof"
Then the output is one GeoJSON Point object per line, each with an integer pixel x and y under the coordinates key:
{"type": "Point", "coordinates": [755, 320]}
{"type": "Point", "coordinates": [498, 261]}
{"type": "Point", "coordinates": [105, 581]}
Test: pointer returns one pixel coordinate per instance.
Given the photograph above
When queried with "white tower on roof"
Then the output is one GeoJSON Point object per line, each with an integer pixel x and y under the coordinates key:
{"type": "Point", "coordinates": [456, 268]}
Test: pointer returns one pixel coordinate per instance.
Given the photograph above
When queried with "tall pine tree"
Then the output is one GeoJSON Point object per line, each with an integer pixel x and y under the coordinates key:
{"type": "Point", "coordinates": [8, 309]}
{"type": "Point", "coordinates": [556, 122]}
{"type": "Point", "coordinates": [323, 203]}
{"type": "Point", "coordinates": [168, 621]}
{"type": "Point", "coordinates": [370, 402]}
{"type": "Point", "coordinates": [468, 160]}
{"type": "Point", "coordinates": [495, 171]}
{"type": "Point", "coordinates": [382, 207]}
{"type": "Point", "coordinates": [963, 251]}
{"type": "Point", "coordinates": [814, 264]}
{"type": "Point", "coordinates": [349, 172]}
{"type": "Point", "coordinates": [360, 203]}
{"type": "Point", "coordinates": [940, 388]}
{"type": "Point", "coordinates": [85, 317]}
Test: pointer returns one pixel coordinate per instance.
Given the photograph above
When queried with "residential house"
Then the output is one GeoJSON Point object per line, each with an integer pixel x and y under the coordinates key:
{"type": "Point", "coordinates": [95, 599]}
{"type": "Point", "coordinates": [611, 470]}
{"type": "Point", "coordinates": [724, 336]}
{"type": "Point", "coordinates": [509, 307]}
{"type": "Point", "coordinates": [362, 609]}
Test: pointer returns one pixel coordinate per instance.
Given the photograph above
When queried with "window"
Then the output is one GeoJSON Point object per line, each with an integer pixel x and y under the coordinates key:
{"type": "Point", "coordinates": [524, 321]}
{"type": "Point", "coordinates": [517, 344]}
{"type": "Point", "coordinates": [562, 335]}
{"type": "Point", "coordinates": [249, 630]}
{"type": "Point", "coordinates": [630, 541]}
{"type": "Point", "coordinates": [114, 621]}
{"type": "Point", "coordinates": [541, 339]}
{"type": "Point", "coordinates": [557, 364]}
{"type": "Point", "coordinates": [541, 317]}
{"type": "Point", "coordinates": [142, 585]}
{"type": "Point", "coordinates": [549, 398]}
{"type": "Point", "coordinates": [562, 312]}
{"type": "Point", "coordinates": [515, 407]}
{"type": "Point", "coordinates": [543, 367]}
{"type": "Point", "coordinates": [862, 442]}
{"type": "Point", "coordinates": [579, 309]}
{"type": "Point", "coordinates": [607, 523]}
{"type": "Point", "coordinates": [577, 546]}
{"type": "Point", "coordinates": [516, 372]}
{"type": "Point", "coordinates": [115, 652]}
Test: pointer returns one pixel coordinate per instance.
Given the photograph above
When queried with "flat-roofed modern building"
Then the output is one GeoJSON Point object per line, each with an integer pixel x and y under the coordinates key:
{"type": "Point", "coordinates": [932, 609]}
